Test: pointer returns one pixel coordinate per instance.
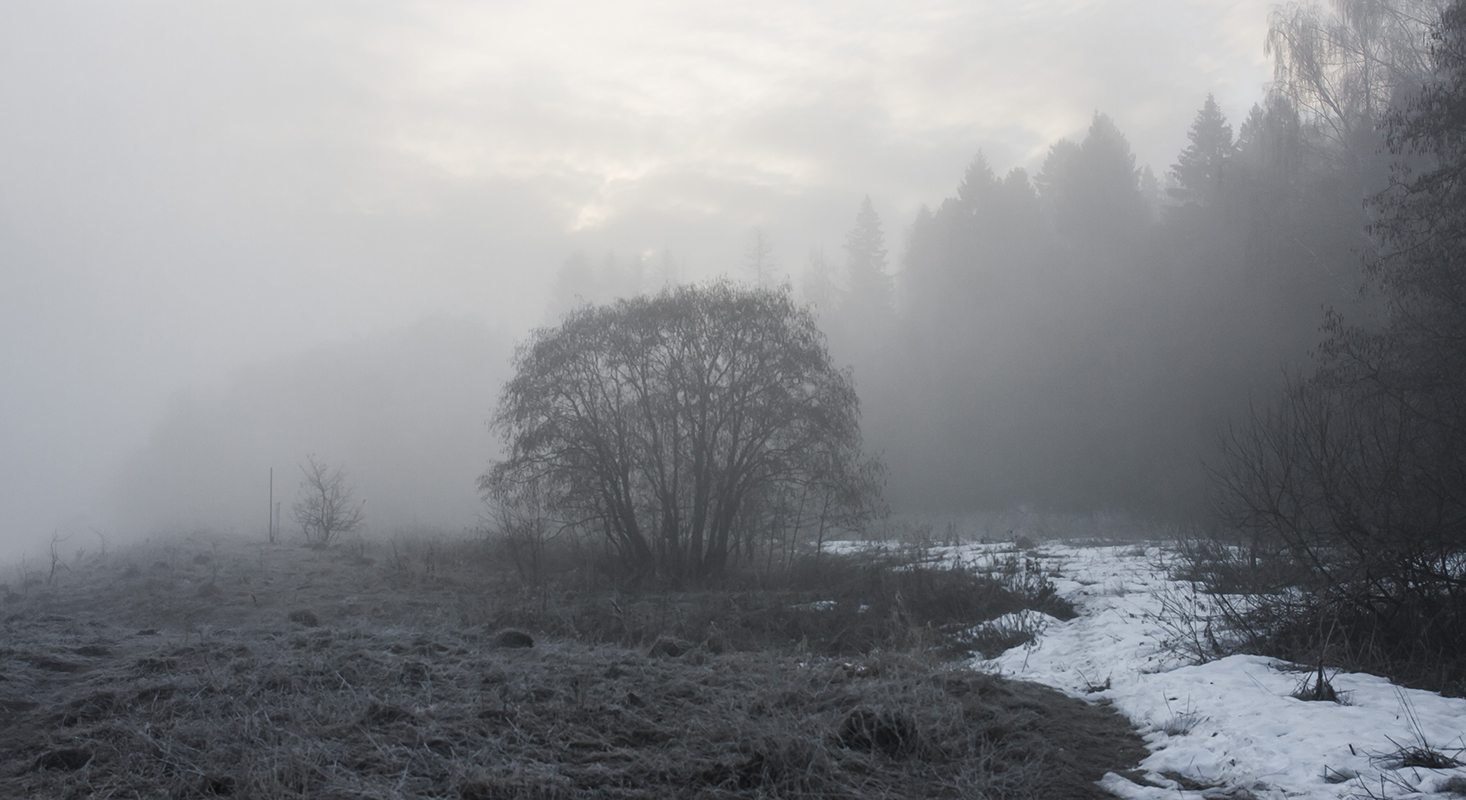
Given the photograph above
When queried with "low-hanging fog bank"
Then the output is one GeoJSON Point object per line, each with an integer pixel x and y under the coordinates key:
{"type": "Point", "coordinates": [403, 413]}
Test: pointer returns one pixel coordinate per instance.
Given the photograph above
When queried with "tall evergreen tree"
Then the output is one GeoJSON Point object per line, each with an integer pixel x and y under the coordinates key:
{"type": "Point", "coordinates": [1270, 143]}
{"type": "Point", "coordinates": [871, 288]}
{"type": "Point", "coordinates": [978, 182]}
{"type": "Point", "coordinates": [1199, 171]}
{"type": "Point", "coordinates": [1093, 188]}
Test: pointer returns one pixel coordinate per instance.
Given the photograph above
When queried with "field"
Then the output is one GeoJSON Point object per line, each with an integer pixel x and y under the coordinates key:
{"type": "Point", "coordinates": [210, 667]}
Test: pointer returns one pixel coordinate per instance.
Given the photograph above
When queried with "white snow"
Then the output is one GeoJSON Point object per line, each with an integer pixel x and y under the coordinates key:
{"type": "Point", "coordinates": [1230, 724]}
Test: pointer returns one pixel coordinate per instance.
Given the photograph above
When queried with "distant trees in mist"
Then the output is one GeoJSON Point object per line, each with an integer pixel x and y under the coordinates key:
{"type": "Point", "coordinates": [1199, 170]}
{"type": "Point", "coordinates": [581, 281]}
{"type": "Point", "coordinates": [855, 296]}
{"type": "Point", "coordinates": [1080, 338]}
{"type": "Point", "coordinates": [405, 409]}
{"type": "Point", "coordinates": [759, 262]}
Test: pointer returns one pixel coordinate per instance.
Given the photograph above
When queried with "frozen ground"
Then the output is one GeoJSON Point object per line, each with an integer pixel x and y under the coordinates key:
{"type": "Point", "coordinates": [1229, 728]}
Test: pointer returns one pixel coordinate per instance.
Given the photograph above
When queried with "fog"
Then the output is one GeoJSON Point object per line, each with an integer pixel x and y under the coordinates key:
{"type": "Point", "coordinates": [235, 235]}
{"type": "Point", "coordinates": [401, 413]}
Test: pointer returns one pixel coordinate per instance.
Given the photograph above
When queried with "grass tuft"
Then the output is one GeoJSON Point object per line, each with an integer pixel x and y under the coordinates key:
{"type": "Point", "coordinates": [1316, 687]}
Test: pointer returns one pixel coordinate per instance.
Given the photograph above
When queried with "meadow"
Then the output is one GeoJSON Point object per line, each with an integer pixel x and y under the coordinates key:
{"type": "Point", "coordinates": [429, 666]}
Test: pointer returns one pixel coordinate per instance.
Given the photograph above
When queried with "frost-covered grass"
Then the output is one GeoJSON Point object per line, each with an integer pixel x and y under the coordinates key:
{"type": "Point", "coordinates": [206, 668]}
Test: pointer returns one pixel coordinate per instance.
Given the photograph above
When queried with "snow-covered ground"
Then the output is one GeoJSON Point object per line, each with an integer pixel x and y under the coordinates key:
{"type": "Point", "coordinates": [1228, 728]}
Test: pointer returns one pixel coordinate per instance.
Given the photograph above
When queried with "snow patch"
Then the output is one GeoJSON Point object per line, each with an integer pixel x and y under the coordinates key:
{"type": "Point", "coordinates": [1230, 725]}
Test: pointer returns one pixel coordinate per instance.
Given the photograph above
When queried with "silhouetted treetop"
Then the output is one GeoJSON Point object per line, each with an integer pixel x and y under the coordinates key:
{"type": "Point", "coordinates": [978, 183]}
{"type": "Point", "coordinates": [865, 263]}
{"type": "Point", "coordinates": [1093, 188]}
{"type": "Point", "coordinates": [1200, 167]}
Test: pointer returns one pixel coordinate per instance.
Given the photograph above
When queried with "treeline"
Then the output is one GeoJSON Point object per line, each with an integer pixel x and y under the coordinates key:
{"type": "Point", "coordinates": [1079, 338]}
{"type": "Point", "coordinates": [1082, 338]}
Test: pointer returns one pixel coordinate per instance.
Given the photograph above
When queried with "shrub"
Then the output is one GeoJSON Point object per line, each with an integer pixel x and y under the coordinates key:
{"type": "Point", "coordinates": [836, 604]}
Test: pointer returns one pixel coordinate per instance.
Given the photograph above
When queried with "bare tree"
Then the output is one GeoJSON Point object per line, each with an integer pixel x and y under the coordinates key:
{"type": "Point", "coordinates": [55, 552]}
{"type": "Point", "coordinates": [524, 527]}
{"type": "Point", "coordinates": [683, 428]}
{"type": "Point", "coordinates": [326, 508]}
{"type": "Point", "coordinates": [1344, 68]}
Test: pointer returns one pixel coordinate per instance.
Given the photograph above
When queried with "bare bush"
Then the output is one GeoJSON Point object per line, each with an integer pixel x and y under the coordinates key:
{"type": "Point", "coordinates": [1346, 522]}
{"type": "Point", "coordinates": [326, 508]}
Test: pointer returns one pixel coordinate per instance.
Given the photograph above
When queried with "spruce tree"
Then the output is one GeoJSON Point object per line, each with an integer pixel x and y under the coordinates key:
{"type": "Point", "coordinates": [1202, 165]}
{"type": "Point", "coordinates": [1093, 188]}
{"type": "Point", "coordinates": [978, 183]}
{"type": "Point", "coordinates": [871, 288]}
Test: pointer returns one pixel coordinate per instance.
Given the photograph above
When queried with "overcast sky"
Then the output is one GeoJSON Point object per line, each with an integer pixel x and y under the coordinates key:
{"type": "Point", "coordinates": [190, 188]}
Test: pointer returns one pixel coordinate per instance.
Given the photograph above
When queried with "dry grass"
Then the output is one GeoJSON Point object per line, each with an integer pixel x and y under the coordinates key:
{"type": "Point", "coordinates": [281, 672]}
{"type": "Point", "coordinates": [1254, 596]}
{"type": "Point", "coordinates": [838, 605]}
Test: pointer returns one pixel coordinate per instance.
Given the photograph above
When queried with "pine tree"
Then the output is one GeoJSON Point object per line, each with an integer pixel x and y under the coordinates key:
{"type": "Point", "coordinates": [1201, 167]}
{"type": "Point", "coordinates": [1093, 188]}
{"type": "Point", "coordinates": [871, 289]}
{"type": "Point", "coordinates": [1267, 170]}
{"type": "Point", "coordinates": [978, 183]}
